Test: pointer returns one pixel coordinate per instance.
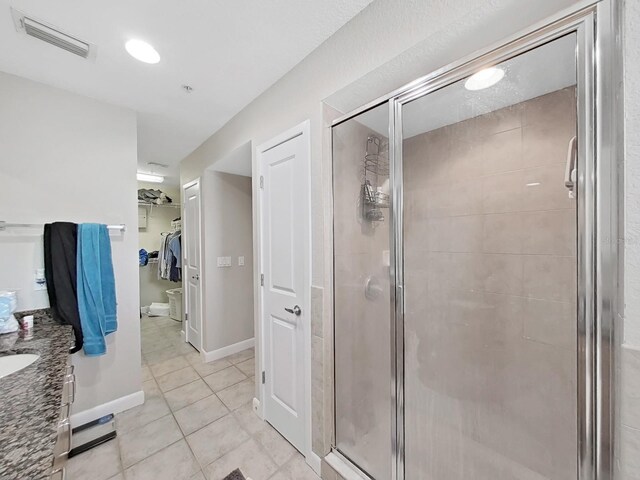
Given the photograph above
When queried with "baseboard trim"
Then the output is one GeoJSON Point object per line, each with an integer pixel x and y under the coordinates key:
{"type": "Point", "coordinates": [314, 462]}
{"type": "Point", "coordinates": [114, 406]}
{"type": "Point", "coordinates": [228, 350]}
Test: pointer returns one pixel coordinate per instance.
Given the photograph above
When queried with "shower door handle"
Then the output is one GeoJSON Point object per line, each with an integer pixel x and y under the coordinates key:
{"type": "Point", "coordinates": [570, 172]}
{"type": "Point", "coordinates": [297, 311]}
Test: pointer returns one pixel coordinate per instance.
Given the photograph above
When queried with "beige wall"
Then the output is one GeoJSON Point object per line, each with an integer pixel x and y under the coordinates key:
{"type": "Point", "coordinates": [68, 157]}
{"type": "Point", "coordinates": [490, 287]}
{"type": "Point", "coordinates": [153, 289]}
{"type": "Point", "coordinates": [227, 293]}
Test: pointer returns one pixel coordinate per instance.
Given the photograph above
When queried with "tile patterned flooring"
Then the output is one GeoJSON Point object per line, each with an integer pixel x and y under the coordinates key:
{"type": "Point", "coordinates": [197, 421]}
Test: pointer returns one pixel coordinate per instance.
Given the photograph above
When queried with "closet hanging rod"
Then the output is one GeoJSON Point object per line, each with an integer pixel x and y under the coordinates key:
{"type": "Point", "coordinates": [4, 225]}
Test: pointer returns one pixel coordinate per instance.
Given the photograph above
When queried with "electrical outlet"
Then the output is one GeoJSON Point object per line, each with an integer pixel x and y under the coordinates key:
{"type": "Point", "coordinates": [40, 282]}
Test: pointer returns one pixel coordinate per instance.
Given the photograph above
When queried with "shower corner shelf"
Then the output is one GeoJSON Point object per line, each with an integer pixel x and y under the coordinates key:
{"type": "Point", "coordinates": [376, 168]}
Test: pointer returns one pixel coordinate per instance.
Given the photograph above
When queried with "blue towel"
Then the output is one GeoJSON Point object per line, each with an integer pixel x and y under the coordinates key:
{"type": "Point", "coordinates": [96, 287]}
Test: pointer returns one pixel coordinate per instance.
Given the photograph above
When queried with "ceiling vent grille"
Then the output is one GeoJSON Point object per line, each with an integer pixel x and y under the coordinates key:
{"type": "Point", "coordinates": [51, 35]}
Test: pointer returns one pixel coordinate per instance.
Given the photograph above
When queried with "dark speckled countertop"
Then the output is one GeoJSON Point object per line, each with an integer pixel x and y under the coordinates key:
{"type": "Point", "coordinates": [30, 398]}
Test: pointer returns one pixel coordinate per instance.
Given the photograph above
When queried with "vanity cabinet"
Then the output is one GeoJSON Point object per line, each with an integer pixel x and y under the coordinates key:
{"type": "Point", "coordinates": [63, 443]}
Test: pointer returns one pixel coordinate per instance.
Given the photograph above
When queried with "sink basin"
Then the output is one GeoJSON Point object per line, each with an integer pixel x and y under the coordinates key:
{"type": "Point", "coordinates": [12, 363]}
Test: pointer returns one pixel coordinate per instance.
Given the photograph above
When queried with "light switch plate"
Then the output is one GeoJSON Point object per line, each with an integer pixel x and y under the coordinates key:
{"type": "Point", "coordinates": [241, 261]}
{"type": "Point", "coordinates": [224, 262]}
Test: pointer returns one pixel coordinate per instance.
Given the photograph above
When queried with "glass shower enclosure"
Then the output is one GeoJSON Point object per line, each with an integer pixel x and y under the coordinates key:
{"type": "Point", "coordinates": [463, 337]}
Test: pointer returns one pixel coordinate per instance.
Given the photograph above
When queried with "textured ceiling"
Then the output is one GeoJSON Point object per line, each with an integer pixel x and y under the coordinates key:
{"type": "Point", "coordinates": [228, 51]}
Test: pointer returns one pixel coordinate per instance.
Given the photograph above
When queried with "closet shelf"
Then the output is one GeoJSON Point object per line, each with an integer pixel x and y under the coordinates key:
{"type": "Point", "coordinates": [170, 205]}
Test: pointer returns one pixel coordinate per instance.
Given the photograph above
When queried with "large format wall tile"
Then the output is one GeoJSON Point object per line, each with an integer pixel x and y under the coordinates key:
{"type": "Point", "coordinates": [490, 296]}
{"type": "Point", "coordinates": [502, 152]}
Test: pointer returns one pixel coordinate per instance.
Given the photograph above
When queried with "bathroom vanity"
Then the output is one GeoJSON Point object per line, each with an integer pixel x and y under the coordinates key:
{"type": "Point", "coordinates": [35, 430]}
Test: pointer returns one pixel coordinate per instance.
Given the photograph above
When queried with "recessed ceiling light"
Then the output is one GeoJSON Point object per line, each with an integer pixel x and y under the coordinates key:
{"type": "Point", "coordinates": [147, 177]}
{"type": "Point", "coordinates": [484, 78]}
{"type": "Point", "coordinates": [142, 51]}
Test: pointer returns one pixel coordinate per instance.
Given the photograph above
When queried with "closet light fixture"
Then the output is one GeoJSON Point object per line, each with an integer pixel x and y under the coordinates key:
{"type": "Point", "coordinates": [149, 177]}
{"type": "Point", "coordinates": [484, 78]}
{"type": "Point", "coordinates": [142, 51]}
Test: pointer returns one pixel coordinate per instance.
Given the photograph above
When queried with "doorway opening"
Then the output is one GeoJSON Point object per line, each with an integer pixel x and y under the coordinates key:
{"type": "Point", "coordinates": [160, 267]}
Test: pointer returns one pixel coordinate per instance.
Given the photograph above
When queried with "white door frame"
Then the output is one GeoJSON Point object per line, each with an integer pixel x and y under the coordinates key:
{"type": "Point", "coordinates": [304, 130]}
{"type": "Point", "coordinates": [184, 260]}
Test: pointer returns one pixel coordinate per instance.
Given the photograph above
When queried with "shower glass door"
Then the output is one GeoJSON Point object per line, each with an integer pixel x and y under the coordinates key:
{"type": "Point", "coordinates": [362, 303]}
{"type": "Point", "coordinates": [490, 273]}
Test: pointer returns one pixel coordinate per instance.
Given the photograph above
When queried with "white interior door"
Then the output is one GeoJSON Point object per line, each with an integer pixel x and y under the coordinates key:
{"type": "Point", "coordinates": [285, 252]}
{"type": "Point", "coordinates": [191, 270]}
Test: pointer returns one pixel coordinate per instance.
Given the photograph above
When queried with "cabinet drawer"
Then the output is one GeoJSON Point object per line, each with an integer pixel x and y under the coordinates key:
{"type": "Point", "coordinates": [63, 445]}
{"type": "Point", "coordinates": [69, 389]}
{"type": "Point", "coordinates": [63, 442]}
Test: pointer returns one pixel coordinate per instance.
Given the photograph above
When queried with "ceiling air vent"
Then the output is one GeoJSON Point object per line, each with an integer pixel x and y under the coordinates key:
{"type": "Point", "coordinates": [51, 35]}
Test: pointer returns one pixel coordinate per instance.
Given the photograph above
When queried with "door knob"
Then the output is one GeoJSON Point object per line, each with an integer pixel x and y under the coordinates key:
{"type": "Point", "coordinates": [297, 311]}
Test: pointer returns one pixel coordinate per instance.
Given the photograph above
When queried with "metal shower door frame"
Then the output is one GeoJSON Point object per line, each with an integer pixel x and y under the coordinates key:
{"type": "Point", "coordinates": [598, 60]}
{"type": "Point", "coordinates": [597, 255]}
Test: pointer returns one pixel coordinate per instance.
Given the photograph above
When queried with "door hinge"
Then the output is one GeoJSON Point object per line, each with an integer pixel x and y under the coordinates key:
{"type": "Point", "coordinates": [263, 377]}
{"type": "Point", "coordinates": [186, 317]}
{"type": "Point", "coordinates": [262, 279]}
{"type": "Point", "coordinates": [261, 181]}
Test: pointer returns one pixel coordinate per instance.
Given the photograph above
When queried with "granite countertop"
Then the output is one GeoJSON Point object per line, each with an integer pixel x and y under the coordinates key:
{"type": "Point", "coordinates": [30, 399]}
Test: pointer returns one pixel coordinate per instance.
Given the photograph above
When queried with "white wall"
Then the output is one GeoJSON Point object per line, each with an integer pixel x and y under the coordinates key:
{"type": "Point", "coordinates": [227, 231]}
{"type": "Point", "coordinates": [67, 157]}
{"type": "Point", "coordinates": [153, 289]}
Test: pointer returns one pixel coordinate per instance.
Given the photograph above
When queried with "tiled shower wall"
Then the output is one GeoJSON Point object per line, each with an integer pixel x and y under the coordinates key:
{"type": "Point", "coordinates": [490, 268]}
{"type": "Point", "coordinates": [490, 296]}
{"type": "Point", "coordinates": [317, 374]}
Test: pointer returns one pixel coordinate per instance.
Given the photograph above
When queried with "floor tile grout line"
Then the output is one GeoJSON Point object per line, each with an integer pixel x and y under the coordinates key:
{"type": "Point", "coordinates": [212, 421]}
{"type": "Point", "coordinates": [154, 453]}
{"type": "Point", "coordinates": [230, 411]}
{"type": "Point", "coordinates": [200, 378]}
{"type": "Point", "coordinates": [151, 454]}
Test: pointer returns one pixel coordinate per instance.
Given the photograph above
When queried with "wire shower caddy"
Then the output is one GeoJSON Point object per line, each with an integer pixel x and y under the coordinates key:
{"type": "Point", "coordinates": [376, 174]}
